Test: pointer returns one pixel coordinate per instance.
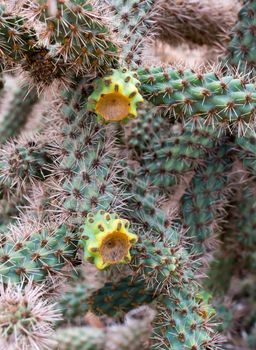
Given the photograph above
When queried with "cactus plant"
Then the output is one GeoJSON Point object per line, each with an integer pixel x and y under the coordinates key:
{"type": "Point", "coordinates": [135, 190]}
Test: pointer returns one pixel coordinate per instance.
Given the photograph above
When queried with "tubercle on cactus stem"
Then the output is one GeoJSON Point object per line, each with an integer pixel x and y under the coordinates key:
{"type": "Point", "coordinates": [106, 239]}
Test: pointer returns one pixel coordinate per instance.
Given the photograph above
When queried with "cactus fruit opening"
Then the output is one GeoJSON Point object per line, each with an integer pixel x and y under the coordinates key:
{"type": "Point", "coordinates": [114, 248]}
{"type": "Point", "coordinates": [113, 107]}
{"type": "Point", "coordinates": [106, 239]}
{"type": "Point", "coordinates": [116, 96]}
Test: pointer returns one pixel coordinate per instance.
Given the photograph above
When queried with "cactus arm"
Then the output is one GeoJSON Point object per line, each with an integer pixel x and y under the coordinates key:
{"type": "Point", "coordinates": [223, 101]}
{"type": "Point", "coordinates": [206, 198]}
{"type": "Point", "coordinates": [135, 19]}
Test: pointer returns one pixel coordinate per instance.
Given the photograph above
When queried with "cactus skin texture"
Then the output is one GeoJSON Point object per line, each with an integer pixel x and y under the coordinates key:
{"type": "Point", "coordinates": [73, 302]}
{"type": "Point", "coordinates": [182, 152]}
{"type": "Point", "coordinates": [133, 334]}
{"type": "Point", "coordinates": [21, 163]}
{"type": "Point", "coordinates": [106, 239]}
{"type": "Point", "coordinates": [242, 47]}
{"type": "Point", "coordinates": [73, 39]}
{"type": "Point", "coordinates": [159, 263]}
{"type": "Point", "coordinates": [184, 322]}
{"type": "Point", "coordinates": [116, 298]}
{"type": "Point", "coordinates": [224, 100]}
{"type": "Point", "coordinates": [42, 253]}
{"type": "Point", "coordinates": [241, 233]}
{"type": "Point", "coordinates": [80, 338]}
{"type": "Point", "coordinates": [145, 131]}
{"type": "Point", "coordinates": [83, 39]}
{"type": "Point", "coordinates": [16, 116]}
{"type": "Point", "coordinates": [128, 14]}
{"type": "Point", "coordinates": [86, 185]}
{"type": "Point", "coordinates": [205, 197]}
{"type": "Point", "coordinates": [17, 39]}
{"type": "Point", "coordinates": [116, 96]}
{"type": "Point", "coordinates": [247, 151]}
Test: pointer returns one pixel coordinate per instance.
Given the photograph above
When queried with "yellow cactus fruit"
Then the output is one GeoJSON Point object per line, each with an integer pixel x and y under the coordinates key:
{"type": "Point", "coordinates": [116, 96]}
{"type": "Point", "coordinates": [106, 239]}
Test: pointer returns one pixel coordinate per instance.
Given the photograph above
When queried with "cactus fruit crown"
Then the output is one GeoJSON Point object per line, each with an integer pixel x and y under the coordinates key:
{"type": "Point", "coordinates": [116, 96]}
{"type": "Point", "coordinates": [106, 239]}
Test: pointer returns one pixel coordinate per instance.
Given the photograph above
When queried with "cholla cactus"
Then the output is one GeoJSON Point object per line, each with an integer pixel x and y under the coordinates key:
{"type": "Point", "coordinates": [123, 183]}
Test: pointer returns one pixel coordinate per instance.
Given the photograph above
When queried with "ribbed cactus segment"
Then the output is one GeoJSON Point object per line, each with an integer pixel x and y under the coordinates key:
{"type": "Point", "coordinates": [205, 199]}
{"type": "Point", "coordinates": [21, 163]}
{"type": "Point", "coordinates": [145, 131]}
{"type": "Point", "coordinates": [86, 184]}
{"type": "Point", "coordinates": [82, 38]}
{"type": "Point", "coordinates": [160, 264]}
{"type": "Point", "coordinates": [171, 158]}
{"type": "Point", "coordinates": [17, 114]}
{"type": "Point", "coordinates": [144, 209]}
{"type": "Point", "coordinates": [73, 303]}
{"type": "Point", "coordinates": [220, 271]}
{"type": "Point", "coordinates": [20, 46]}
{"type": "Point", "coordinates": [164, 265]}
{"type": "Point", "coordinates": [74, 38]}
{"type": "Point", "coordinates": [88, 166]}
{"type": "Point", "coordinates": [135, 22]}
{"type": "Point", "coordinates": [242, 47]}
{"type": "Point", "coordinates": [114, 299]}
{"type": "Point", "coordinates": [116, 96]}
{"type": "Point", "coordinates": [106, 239]}
{"type": "Point", "coordinates": [36, 254]}
{"type": "Point", "coordinates": [80, 338]}
{"type": "Point", "coordinates": [247, 151]}
{"type": "Point", "coordinates": [245, 222]}
{"type": "Point", "coordinates": [252, 338]}
{"type": "Point", "coordinates": [16, 38]}
{"type": "Point", "coordinates": [221, 100]}
{"type": "Point", "coordinates": [185, 322]}
{"type": "Point", "coordinates": [134, 334]}
{"type": "Point", "coordinates": [241, 228]}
